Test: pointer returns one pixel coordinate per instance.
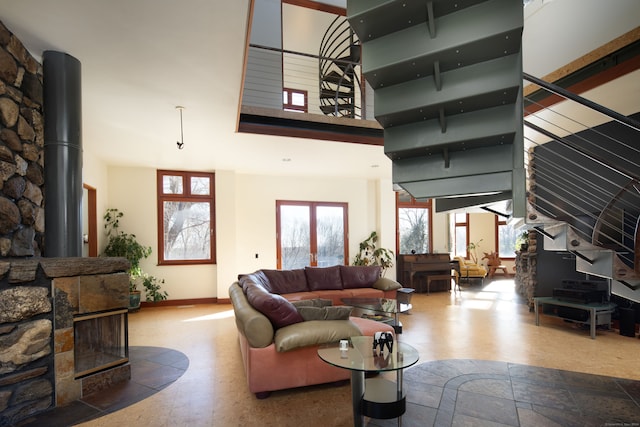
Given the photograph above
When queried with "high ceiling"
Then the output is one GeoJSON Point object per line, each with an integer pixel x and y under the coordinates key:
{"type": "Point", "coordinates": [142, 58]}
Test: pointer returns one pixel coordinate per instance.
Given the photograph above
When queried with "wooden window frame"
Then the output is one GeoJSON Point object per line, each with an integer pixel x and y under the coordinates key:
{"type": "Point", "coordinates": [461, 224]}
{"type": "Point", "coordinates": [498, 223]}
{"type": "Point", "coordinates": [186, 197]}
{"type": "Point", "coordinates": [313, 241]}
{"type": "Point", "coordinates": [413, 203]}
{"type": "Point", "coordinates": [288, 105]}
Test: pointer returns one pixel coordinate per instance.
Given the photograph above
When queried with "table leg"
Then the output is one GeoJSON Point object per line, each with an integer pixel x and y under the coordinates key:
{"type": "Point", "coordinates": [399, 386]}
{"type": "Point", "coordinates": [535, 308]}
{"type": "Point", "coordinates": [592, 320]}
{"type": "Point", "coordinates": [357, 393]}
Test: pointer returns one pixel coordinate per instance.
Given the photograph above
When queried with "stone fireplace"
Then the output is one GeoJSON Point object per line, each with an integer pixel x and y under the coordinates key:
{"type": "Point", "coordinates": [44, 301]}
{"type": "Point", "coordinates": [48, 308]}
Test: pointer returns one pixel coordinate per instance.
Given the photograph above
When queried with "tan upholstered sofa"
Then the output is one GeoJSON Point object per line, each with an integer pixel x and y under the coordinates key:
{"type": "Point", "coordinates": [469, 270]}
{"type": "Point", "coordinates": [278, 346]}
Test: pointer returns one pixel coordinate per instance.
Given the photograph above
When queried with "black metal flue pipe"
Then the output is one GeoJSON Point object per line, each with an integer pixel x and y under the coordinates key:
{"type": "Point", "coordinates": [62, 155]}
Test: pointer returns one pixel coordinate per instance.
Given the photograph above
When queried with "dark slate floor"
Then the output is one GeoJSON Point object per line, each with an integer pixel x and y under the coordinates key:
{"type": "Point", "coordinates": [486, 393]}
{"type": "Point", "coordinates": [152, 369]}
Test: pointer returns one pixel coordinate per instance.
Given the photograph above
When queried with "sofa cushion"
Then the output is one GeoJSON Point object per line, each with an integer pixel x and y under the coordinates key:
{"type": "Point", "coordinates": [356, 276]}
{"type": "Point", "coordinates": [314, 332]}
{"type": "Point", "coordinates": [386, 284]}
{"type": "Point", "coordinates": [277, 309]}
{"type": "Point", "coordinates": [336, 312]}
{"type": "Point", "coordinates": [287, 281]}
{"type": "Point", "coordinates": [316, 302]}
{"type": "Point", "coordinates": [322, 278]}
{"type": "Point", "coordinates": [257, 277]}
{"type": "Point", "coordinates": [365, 293]}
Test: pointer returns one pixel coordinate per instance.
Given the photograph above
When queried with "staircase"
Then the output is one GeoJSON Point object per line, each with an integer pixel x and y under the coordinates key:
{"type": "Point", "coordinates": [584, 189]}
{"type": "Point", "coordinates": [447, 80]}
{"type": "Point", "coordinates": [339, 69]}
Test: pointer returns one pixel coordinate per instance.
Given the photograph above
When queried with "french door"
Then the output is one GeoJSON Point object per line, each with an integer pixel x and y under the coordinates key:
{"type": "Point", "coordinates": [311, 234]}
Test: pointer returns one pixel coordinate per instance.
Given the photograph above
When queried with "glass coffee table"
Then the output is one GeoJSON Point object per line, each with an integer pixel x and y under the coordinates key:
{"type": "Point", "coordinates": [380, 309]}
{"type": "Point", "coordinates": [374, 397]}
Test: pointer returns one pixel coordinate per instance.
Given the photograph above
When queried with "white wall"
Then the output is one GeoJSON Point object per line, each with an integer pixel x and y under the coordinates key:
{"type": "Point", "coordinates": [245, 221]}
{"type": "Point", "coordinates": [370, 203]}
{"type": "Point", "coordinates": [483, 226]}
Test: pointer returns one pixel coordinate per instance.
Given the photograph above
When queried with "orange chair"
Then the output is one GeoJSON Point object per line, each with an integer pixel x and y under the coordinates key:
{"type": "Point", "coordinates": [494, 263]}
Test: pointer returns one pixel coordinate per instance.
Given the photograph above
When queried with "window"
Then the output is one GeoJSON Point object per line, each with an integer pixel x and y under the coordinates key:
{"type": "Point", "coordinates": [186, 218]}
{"type": "Point", "coordinates": [413, 224]}
{"type": "Point", "coordinates": [505, 238]}
{"type": "Point", "coordinates": [461, 232]}
{"type": "Point", "coordinates": [294, 100]}
{"type": "Point", "coordinates": [311, 234]}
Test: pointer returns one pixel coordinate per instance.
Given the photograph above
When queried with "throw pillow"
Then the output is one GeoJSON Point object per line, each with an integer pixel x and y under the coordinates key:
{"type": "Point", "coordinates": [257, 277]}
{"type": "Point", "coordinates": [337, 312]}
{"type": "Point", "coordinates": [323, 278]}
{"type": "Point", "coordinates": [304, 334]}
{"type": "Point", "coordinates": [275, 307]}
{"type": "Point", "coordinates": [287, 281]}
{"type": "Point", "coordinates": [316, 302]}
{"type": "Point", "coordinates": [356, 276]}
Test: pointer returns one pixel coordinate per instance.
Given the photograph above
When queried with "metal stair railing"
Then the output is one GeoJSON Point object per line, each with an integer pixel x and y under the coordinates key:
{"type": "Point", "coordinates": [341, 92]}
{"type": "Point", "coordinates": [588, 179]}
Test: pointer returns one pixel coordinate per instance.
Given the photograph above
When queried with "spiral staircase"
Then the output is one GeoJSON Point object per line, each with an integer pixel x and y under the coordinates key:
{"type": "Point", "coordinates": [447, 80]}
{"type": "Point", "coordinates": [339, 69]}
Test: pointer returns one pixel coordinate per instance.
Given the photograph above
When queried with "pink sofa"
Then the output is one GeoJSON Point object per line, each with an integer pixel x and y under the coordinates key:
{"type": "Point", "coordinates": [279, 348]}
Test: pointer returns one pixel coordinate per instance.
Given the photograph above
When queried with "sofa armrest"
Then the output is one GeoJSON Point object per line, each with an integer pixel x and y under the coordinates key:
{"type": "Point", "coordinates": [254, 325]}
{"type": "Point", "coordinates": [385, 284]}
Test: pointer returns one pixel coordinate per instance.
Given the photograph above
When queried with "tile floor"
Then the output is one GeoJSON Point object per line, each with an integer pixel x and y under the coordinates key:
{"type": "Point", "coordinates": [152, 369]}
{"type": "Point", "coordinates": [488, 323]}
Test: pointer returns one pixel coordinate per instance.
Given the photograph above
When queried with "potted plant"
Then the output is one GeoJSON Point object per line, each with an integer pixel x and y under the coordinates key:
{"type": "Point", "coordinates": [522, 241]}
{"type": "Point", "coordinates": [121, 244]}
{"type": "Point", "coordinates": [472, 249]}
{"type": "Point", "coordinates": [370, 254]}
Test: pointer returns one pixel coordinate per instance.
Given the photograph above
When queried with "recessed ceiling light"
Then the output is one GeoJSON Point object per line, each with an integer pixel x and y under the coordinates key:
{"type": "Point", "coordinates": [375, 166]}
{"type": "Point", "coordinates": [286, 159]}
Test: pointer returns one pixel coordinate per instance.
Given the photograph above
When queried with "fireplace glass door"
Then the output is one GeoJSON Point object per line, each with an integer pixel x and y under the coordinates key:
{"type": "Point", "coordinates": [100, 341]}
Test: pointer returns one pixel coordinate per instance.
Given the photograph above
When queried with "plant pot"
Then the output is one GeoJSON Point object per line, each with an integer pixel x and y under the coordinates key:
{"type": "Point", "coordinates": [134, 300]}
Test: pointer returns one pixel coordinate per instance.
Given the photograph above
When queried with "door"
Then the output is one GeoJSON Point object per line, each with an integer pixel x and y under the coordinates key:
{"type": "Point", "coordinates": [311, 234]}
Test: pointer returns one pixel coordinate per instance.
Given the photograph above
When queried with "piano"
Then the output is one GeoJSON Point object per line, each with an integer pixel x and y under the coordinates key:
{"type": "Point", "coordinates": [426, 265]}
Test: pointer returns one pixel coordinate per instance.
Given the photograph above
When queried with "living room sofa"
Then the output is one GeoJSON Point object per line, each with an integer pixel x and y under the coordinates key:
{"type": "Point", "coordinates": [278, 344]}
{"type": "Point", "coordinates": [469, 270]}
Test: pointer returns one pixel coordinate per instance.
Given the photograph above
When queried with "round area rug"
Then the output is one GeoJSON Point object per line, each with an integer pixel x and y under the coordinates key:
{"type": "Point", "coordinates": [152, 369]}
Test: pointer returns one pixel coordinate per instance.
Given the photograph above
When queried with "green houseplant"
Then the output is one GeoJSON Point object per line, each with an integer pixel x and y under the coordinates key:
{"type": "Point", "coordinates": [522, 241]}
{"type": "Point", "coordinates": [121, 244]}
{"type": "Point", "coordinates": [370, 254]}
{"type": "Point", "coordinates": [472, 248]}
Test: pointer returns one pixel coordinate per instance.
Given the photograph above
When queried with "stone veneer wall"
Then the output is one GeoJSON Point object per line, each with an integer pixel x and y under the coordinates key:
{"type": "Point", "coordinates": [38, 299]}
{"type": "Point", "coordinates": [526, 278]}
{"type": "Point", "coordinates": [21, 150]}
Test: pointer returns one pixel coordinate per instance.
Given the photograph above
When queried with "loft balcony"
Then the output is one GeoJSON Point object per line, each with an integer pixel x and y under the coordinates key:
{"type": "Point", "coordinates": [317, 92]}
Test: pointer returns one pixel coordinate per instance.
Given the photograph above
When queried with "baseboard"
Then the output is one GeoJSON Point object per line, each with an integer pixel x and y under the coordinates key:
{"type": "Point", "coordinates": [177, 302]}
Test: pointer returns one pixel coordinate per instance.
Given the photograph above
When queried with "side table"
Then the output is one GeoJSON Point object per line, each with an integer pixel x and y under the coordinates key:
{"type": "Point", "coordinates": [373, 397]}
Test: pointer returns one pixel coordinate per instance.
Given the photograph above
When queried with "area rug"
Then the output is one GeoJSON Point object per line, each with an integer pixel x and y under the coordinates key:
{"type": "Point", "coordinates": [476, 392]}
{"type": "Point", "coordinates": [152, 369]}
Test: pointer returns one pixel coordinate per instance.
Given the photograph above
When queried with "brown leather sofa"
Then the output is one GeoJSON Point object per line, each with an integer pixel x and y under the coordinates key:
{"type": "Point", "coordinates": [279, 348]}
